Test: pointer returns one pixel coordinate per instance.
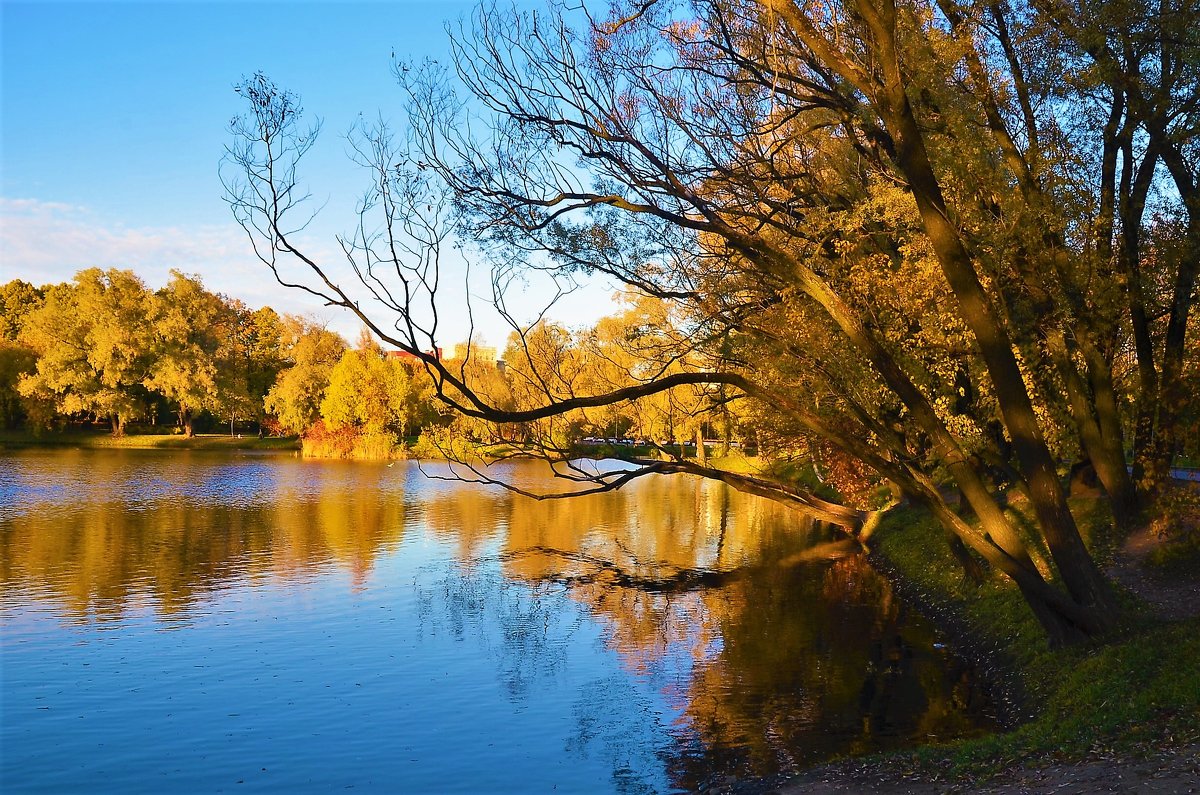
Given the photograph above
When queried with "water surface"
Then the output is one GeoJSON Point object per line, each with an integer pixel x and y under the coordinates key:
{"type": "Point", "coordinates": [211, 622]}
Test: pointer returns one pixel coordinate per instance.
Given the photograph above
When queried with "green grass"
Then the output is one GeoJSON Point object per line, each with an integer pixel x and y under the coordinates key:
{"type": "Point", "coordinates": [102, 440]}
{"type": "Point", "coordinates": [1132, 692]}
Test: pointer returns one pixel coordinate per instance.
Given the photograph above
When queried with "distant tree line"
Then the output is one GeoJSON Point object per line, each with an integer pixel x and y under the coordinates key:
{"type": "Point", "coordinates": [105, 348]}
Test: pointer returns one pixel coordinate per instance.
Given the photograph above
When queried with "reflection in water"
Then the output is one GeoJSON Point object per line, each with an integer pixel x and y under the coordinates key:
{"type": "Point", "coordinates": [173, 538]}
{"type": "Point", "coordinates": [747, 640]}
{"type": "Point", "coordinates": [786, 646]}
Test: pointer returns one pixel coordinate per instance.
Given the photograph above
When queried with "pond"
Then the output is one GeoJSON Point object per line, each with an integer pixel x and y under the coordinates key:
{"type": "Point", "coordinates": [209, 622]}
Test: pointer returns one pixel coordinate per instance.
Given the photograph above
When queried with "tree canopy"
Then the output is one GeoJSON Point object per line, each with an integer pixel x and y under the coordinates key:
{"type": "Point", "coordinates": [104, 347]}
{"type": "Point", "coordinates": [954, 244]}
{"type": "Point", "coordinates": [312, 352]}
{"type": "Point", "coordinates": [92, 341]}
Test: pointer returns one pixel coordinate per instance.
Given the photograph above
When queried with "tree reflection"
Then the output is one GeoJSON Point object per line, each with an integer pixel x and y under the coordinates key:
{"type": "Point", "coordinates": [773, 643]}
{"type": "Point", "coordinates": [101, 559]}
{"type": "Point", "coordinates": [779, 644]}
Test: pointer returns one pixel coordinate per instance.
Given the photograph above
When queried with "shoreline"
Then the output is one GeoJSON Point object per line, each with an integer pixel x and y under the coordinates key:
{"type": "Point", "coordinates": [1104, 716]}
{"type": "Point", "coordinates": [998, 669]}
{"type": "Point", "coordinates": [405, 450]}
{"type": "Point", "coordinates": [86, 440]}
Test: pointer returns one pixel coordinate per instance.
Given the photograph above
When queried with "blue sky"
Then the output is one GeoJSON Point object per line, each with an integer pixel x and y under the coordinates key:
{"type": "Point", "coordinates": [113, 119]}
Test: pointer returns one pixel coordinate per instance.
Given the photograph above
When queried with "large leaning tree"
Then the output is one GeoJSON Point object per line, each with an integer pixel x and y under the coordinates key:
{"type": "Point", "coordinates": [955, 242]}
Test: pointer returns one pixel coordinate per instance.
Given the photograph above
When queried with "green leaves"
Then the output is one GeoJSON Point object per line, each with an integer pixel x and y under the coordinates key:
{"type": "Point", "coordinates": [92, 338]}
{"type": "Point", "coordinates": [295, 397]}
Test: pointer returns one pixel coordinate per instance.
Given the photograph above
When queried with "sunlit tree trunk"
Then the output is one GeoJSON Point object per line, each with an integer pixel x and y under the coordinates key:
{"type": "Point", "coordinates": [1079, 571]}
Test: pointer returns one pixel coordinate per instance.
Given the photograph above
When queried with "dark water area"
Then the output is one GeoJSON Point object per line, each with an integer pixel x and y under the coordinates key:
{"type": "Point", "coordinates": [209, 622]}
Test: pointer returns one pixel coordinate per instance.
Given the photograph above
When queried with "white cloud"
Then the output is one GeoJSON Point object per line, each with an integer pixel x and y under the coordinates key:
{"type": "Point", "coordinates": [48, 242]}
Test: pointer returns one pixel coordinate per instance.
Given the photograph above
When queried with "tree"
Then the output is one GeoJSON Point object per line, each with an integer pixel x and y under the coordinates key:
{"type": "Point", "coordinates": [17, 300]}
{"type": "Point", "coordinates": [194, 343]}
{"type": "Point", "coordinates": [310, 352]}
{"type": "Point", "coordinates": [92, 338]}
{"type": "Point", "coordinates": [374, 393]}
{"type": "Point", "coordinates": [870, 219]}
{"type": "Point", "coordinates": [16, 361]}
{"type": "Point", "coordinates": [1137, 64]}
{"type": "Point", "coordinates": [253, 357]}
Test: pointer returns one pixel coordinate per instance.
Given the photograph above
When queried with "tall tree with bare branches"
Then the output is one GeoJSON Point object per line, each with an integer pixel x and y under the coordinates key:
{"type": "Point", "coordinates": [874, 219]}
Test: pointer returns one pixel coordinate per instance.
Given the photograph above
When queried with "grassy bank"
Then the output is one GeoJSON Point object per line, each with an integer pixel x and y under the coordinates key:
{"type": "Point", "coordinates": [352, 444]}
{"type": "Point", "coordinates": [100, 440]}
{"type": "Point", "coordinates": [1135, 693]}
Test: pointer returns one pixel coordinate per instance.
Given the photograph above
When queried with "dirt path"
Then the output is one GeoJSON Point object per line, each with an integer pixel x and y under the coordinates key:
{"type": "Point", "coordinates": [1171, 597]}
{"type": "Point", "coordinates": [1171, 773]}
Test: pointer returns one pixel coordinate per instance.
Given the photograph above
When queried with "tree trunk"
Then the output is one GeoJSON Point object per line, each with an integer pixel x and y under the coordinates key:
{"type": "Point", "coordinates": [973, 570]}
{"type": "Point", "coordinates": [726, 429]}
{"type": "Point", "coordinates": [1062, 619]}
{"type": "Point", "coordinates": [1171, 389]}
{"type": "Point", "coordinates": [1094, 415]}
{"type": "Point", "coordinates": [1079, 572]}
{"type": "Point", "coordinates": [1094, 603]}
{"type": "Point", "coordinates": [1116, 478]}
{"type": "Point", "coordinates": [701, 450]}
{"type": "Point", "coordinates": [118, 425]}
{"type": "Point", "coordinates": [189, 429]}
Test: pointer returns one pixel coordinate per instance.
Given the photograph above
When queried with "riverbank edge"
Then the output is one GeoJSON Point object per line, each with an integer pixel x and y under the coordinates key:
{"type": "Point", "coordinates": [1057, 707]}
{"type": "Point", "coordinates": [373, 449]}
{"type": "Point", "coordinates": [995, 667]}
{"type": "Point", "coordinates": [10, 440]}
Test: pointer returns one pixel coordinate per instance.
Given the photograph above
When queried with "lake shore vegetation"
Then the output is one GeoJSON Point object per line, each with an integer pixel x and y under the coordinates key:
{"type": "Point", "coordinates": [105, 350]}
{"type": "Point", "coordinates": [95, 439]}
